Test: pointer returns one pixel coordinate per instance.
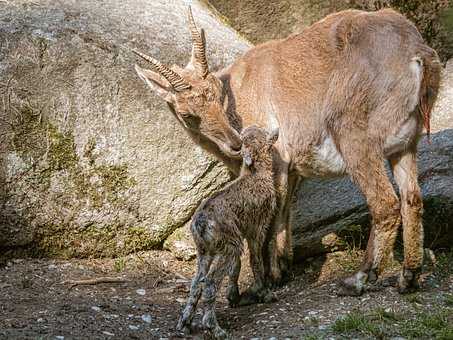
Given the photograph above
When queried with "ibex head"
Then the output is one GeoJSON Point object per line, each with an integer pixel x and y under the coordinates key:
{"type": "Point", "coordinates": [257, 144]}
{"type": "Point", "coordinates": [194, 94]}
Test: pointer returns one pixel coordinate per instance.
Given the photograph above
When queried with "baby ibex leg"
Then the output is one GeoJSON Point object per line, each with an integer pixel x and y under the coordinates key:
{"type": "Point", "coordinates": [405, 172]}
{"type": "Point", "coordinates": [258, 292]}
{"type": "Point", "coordinates": [185, 321]}
{"type": "Point", "coordinates": [219, 268]}
{"type": "Point", "coordinates": [233, 295]}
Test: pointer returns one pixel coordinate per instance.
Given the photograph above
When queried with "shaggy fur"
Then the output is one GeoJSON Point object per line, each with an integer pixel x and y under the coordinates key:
{"type": "Point", "coordinates": [243, 209]}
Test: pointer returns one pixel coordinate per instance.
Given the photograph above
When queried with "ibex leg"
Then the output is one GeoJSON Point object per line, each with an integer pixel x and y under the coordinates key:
{"type": "Point", "coordinates": [279, 250]}
{"type": "Point", "coordinates": [220, 266]}
{"type": "Point", "coordinates": [185, 321]}
{"type": "Point", "coordinates": [233, 295]}
{"type": "Point", "coordinates": [365, 164]}
{"type": "Point", "coordinates": [405, 173]}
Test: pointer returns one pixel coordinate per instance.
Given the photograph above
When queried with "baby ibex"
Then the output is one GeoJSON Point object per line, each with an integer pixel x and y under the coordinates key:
{"type": "Point", "coordinates": [243, 209]}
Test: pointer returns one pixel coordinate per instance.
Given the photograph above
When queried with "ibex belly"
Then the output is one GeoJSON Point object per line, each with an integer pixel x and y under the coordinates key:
{"type": "Point", "coordinates": [327, 161]}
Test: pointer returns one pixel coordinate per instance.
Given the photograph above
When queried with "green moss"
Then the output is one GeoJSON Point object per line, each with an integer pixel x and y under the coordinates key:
{"type": "Point", "coordinates": [91, 241]}
{"type": "Point", "coordinates": [61, 153]}
{"type": "Point", "coordinates": [139, 238]}
{"type": "Point", "coordinates": [28, 132]}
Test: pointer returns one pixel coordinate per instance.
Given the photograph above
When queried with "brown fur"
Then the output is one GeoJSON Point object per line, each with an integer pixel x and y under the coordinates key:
{"type": "Point", "coordinates": [347, 93]}
{"type": "Point", "coordinates": [243, 209]}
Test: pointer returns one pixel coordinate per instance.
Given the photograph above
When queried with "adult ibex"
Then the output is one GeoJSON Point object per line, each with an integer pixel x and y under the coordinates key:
{"type": "Point", "coordinates": [349, 92]}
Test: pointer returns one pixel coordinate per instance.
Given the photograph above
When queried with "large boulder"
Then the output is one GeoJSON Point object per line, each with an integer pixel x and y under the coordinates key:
{"type": "Point", "coordinates": [260, 20]}
{"type": "Point", "coordinates": [92, 162]}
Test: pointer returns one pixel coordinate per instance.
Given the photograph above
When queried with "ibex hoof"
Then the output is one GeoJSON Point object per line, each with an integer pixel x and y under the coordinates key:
{"type": "Point", "coordinates": [251, 297]}
{"type": "Point", "coordinates": [353, 285]}
{"type": "Point", "coordinates": [408, 281]}
{"type": "Point", "coordinates": [182, 328]}
{"type": "Point", "coordinates": [233, 297]}
{"type": "Point", "coordinates": [219, 333]}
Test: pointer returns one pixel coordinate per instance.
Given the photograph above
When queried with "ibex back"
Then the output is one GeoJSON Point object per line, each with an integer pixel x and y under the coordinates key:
{"type": "Point", "coordinates": [349, 92]}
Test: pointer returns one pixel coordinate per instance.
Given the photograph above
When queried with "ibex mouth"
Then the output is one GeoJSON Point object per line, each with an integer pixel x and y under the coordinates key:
{"type": "Point", "coordinates": [230, 151]}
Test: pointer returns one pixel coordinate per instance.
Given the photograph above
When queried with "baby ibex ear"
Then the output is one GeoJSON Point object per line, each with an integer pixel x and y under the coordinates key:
{"type": "Point", "coordinates": [273, 136]}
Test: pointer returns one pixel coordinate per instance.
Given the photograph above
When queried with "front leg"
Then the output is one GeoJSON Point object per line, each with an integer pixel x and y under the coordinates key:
{"type": "Point", "coordinates": [280, 248]}
{"type": "Point", "coordinates": [257, 292]}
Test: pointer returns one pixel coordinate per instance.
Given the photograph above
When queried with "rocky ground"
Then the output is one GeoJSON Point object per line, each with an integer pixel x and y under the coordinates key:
{"type": "Point", "coordinates": [38, 302]}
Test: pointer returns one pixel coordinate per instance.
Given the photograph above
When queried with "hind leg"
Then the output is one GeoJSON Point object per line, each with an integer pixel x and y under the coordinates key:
{"type": "Point", "coordinates": [365, 164]}
{"type": "Point", "coordinates": [185, 321]}
{"type": "Point", "coordinates": [221, 265]}
{"type": "Point", "coordinates": [405, 172]}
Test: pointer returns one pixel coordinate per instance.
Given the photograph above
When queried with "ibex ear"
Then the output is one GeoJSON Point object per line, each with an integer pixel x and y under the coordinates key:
{"type": "Point", "coordinates": [159, 84]}
{"type": "Point", "coordinates": [248, 158]}
{"type": "Point", "coordinates": [273, 136]}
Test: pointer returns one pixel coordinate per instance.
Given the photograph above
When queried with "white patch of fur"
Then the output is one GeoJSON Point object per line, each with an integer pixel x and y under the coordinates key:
{"type": "Point", "coordinates": [327, 161]}
{"type": "Point", "coordinates": [416, 66]}
{"type": "Point", "coordinates": [403, 137]}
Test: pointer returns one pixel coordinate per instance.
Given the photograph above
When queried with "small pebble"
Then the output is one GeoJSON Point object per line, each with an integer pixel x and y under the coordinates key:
{"type": "Point", "coordinates": [141, 291]}
{"type": "Point", "coordinates": [108, 333]}
{"type": "Point", "coordinates": [59, 337]}
{"type": "Point", "coordinates": [146, 318]}
{"type": "Point", "coordinates": [133, 327]}
{"type": "Point", "coordinates": [96, 308]}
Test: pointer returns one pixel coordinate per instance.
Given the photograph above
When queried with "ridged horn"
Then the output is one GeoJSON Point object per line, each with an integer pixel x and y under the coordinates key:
{"type": "Point", "coordinates": [198, 47]}
{"type": "Point", "coordinates": [176, 81]}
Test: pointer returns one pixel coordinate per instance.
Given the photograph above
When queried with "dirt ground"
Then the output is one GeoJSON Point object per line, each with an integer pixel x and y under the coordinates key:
{"type": "Point", "coordinates": [37, 302]}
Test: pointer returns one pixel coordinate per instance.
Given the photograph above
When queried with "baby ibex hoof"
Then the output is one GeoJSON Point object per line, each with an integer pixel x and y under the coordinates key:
{"type": "Point", "coordinates": [218, 333]}
{"type": "Point", "coordinates": [233, 298]}
{"type": "Point", "coordinates": [353, 285]}
{"type": "Point", "coordinates": [409, 281]}
{"type": "Point", "coordinates": [263, 296]}
{"type": "Point", "coordinates": [182, 329]}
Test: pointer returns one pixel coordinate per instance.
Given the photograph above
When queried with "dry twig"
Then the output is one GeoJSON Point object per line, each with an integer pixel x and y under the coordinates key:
{"type": "Point", "coordinates": [73, 283]}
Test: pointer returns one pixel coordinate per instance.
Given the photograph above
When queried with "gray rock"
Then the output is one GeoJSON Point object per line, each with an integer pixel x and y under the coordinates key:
{"type": "Point", "coordinates": [181, 244]}
{"type": "Point", "coordinates": [92, 162]}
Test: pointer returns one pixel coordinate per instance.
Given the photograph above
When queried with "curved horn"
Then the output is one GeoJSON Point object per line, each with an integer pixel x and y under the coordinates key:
{"type": "Point", "coordinates": [198, 47]}
{"type": "Point", "coordinates": [176, 81]}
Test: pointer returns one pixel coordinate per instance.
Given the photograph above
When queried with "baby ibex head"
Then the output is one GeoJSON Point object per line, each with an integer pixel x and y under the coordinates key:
{"type": "Point", "coordinates": [194, 94]}
{"type": "Point", "coordinates": [257, 145]}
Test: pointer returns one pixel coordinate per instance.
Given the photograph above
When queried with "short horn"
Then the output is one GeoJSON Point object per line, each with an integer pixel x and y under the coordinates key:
{"type": "Point", "coordinates": [176, 81]}
{"type": "Point", "coordinates": [198, 47]}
